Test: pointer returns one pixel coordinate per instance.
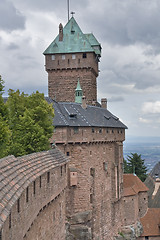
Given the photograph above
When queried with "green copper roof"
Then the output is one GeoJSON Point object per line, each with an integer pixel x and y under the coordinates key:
{"type": "Point", "coordinates": [73, 41]}
{"type": "Point", "coordinates": [94, 43]}
{"type": "Point", "coordinates": [78, 88]}
{"type": "Point", "coordinates": [78, 93]}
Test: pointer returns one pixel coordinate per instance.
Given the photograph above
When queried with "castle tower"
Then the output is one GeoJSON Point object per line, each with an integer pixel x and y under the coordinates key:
{"type": "Point", "coordinates": [70, 56]}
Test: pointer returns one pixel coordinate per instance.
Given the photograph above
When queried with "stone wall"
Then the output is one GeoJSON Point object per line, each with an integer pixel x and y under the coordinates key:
{"type": "Point", "coordinates": [40, 208]}
{"type": "Point", "coordinates": [96, 157]}
{"type": "Point", "coordinates": [63, 77]}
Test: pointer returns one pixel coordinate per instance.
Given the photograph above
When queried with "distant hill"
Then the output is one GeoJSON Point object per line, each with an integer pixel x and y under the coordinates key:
{"type": "Point", "coordinates": [148, 147]}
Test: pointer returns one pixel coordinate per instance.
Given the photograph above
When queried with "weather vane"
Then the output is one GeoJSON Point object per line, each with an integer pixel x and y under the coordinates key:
{"type": "Point", "coordinates": [72, 13]}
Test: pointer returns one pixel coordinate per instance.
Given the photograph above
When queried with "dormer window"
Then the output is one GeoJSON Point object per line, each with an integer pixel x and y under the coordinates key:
{"type": "Point", "coordinates": [73, 115]}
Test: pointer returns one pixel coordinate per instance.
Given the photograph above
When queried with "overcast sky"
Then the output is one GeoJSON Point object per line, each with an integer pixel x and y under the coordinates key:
{"type": "Point", "coordinates": [129, 33]}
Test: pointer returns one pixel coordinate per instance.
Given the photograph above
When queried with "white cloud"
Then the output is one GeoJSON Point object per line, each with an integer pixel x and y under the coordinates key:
{"type": "Point", "coordinates": [151, 107]}
{"type": "Point", "coordinates": [144, 120]}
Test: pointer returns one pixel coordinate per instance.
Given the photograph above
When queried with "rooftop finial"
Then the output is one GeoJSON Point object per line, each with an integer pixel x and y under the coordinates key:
{"type": "Point", "coordinates": [68, 8]}
{"type": "Point", "coordinates": [72, 13]}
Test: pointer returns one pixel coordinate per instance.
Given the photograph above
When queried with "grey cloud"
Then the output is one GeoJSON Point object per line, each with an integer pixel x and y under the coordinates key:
{"type": "Point", "coordinates": [127, 22]}
{"type": "Point", "coordinates": [12, 46]}
{"type": "Point", "coordinates": [116, 99]}
{"type": "Point", "coordinates": [11, 18]}
{"type": "Point", "coordinates": [58, 7]}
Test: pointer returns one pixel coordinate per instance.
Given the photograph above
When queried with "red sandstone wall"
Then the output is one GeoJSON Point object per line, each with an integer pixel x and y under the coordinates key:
{"type": "Point", "coordinates": [43, 216]}
{"type": "Point", "coordinates": [98, 189]}
{"type": "Point", "coordinates": [143, 203]}
{"type": "Point", "coordinates": [63, 77]}
{"type": "Point", "coordinates": [86, 134]}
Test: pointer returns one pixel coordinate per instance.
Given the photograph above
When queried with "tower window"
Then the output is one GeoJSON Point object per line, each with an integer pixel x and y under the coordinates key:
{"type": "Point", "coordinates": [92, 130]}
{"type": "Point", "coordinates": [68, 61]}
{"type": "Point", "coordinates": [53, 57]}
{"type": "Point", "coordinates": [63, 57]}
{"type": "Point", "coordinates": [78, 60]}
{"type": "Point", "coordinates": [73, 56]}
{"type": "Point", "coordinates": [58, 62]}
{"type": "Point", "coordinates": [84, 55]}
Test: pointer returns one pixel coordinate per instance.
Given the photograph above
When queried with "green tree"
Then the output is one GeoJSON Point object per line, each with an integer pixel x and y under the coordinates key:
{"type": "Point", "coordinates": [135, 164]}
{"type": "Point", "coordinates": [5, 135]}
{"type": "Point", "coordinates": [5, 132]}
{"type": "Point", "coordinates": [30, 121]}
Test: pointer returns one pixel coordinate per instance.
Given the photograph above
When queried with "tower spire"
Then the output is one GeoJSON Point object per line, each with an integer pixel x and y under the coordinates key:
{"type": "Point", "coordinates": [78, 93]}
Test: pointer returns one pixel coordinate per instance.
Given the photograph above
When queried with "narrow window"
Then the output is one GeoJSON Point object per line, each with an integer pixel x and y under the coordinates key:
{"type": "Point", "coordinates": [121, 131]}
{"type": "Point", "coordinates": [91, 198]}
{"type": "Point", "coordinates": [118, 131]}
{"type": "Point", "coordinates": [27, 194]}
{"type": "Point", "coordinates": [65, 168]}
{"type": "Point", "coordinates": [10, 221]}
{"type": "Point", "coordinates": [79, 60]}
{"type": "Point", "coordinates": [107, 131]}
{"type": "Point", "coordinates": [73, 56]}
{"type": "Point", "coordinates": [67, 153]}
{"type": "Point", "coordinates": [40, 182]}
{"type": "Point", "coordinates": [112, 131]}
{"type": "Point", "coordinates": [58, 62]}
{"type": "Point", "coordinates": [92, 172]}
{"type": "Point", "coordinates": [48, 177]}
{"type": "Point", "coordinates": [92, 130]}
{"type": "Point", "coordinates": [61, 170]}
{"type": "Point", "coordinates": [53, 57]}
{"type": "Point", "coordinates": [100, 130]}
{"type": "Point", "coordinates": [75, 129]}
{"type": "Point", "coordinates": [84, 55]}
{"type": "Point", "coordinates": [18, 205]}
{"type": "Point", "coordinates": [34, 187]}
{"type": "Point", "coordinates": [54, 216]}
{"type": "Point", "coordinates": [63, 57]}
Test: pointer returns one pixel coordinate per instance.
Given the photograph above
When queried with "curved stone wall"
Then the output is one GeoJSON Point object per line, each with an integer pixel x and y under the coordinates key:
{"type": "Point", "coordinates": [32, 186]}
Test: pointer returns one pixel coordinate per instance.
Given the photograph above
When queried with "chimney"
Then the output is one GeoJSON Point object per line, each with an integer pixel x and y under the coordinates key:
{"type": "Point", "coordinates": [84, 105]}
{"type": "Point", "coordinates": [93, 103]}
{"type": "Point", "coordinates": [60, 32]}
{"type": "Point", "coordinates": [104, 103]}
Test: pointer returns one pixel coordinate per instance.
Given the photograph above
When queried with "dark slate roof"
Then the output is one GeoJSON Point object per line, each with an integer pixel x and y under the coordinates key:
{"type": "Point", "coordinates": [72, 114]}
{"type": "Point", "coordinates": [17, 173]}
{"type": "Point", "coordinates": [155, 173]}
{"type": "Point", "coordinates": [149, 182]}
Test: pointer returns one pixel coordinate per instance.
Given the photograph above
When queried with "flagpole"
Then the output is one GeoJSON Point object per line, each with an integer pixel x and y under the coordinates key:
{"type": "Point", "coordinates": [68, 9]}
